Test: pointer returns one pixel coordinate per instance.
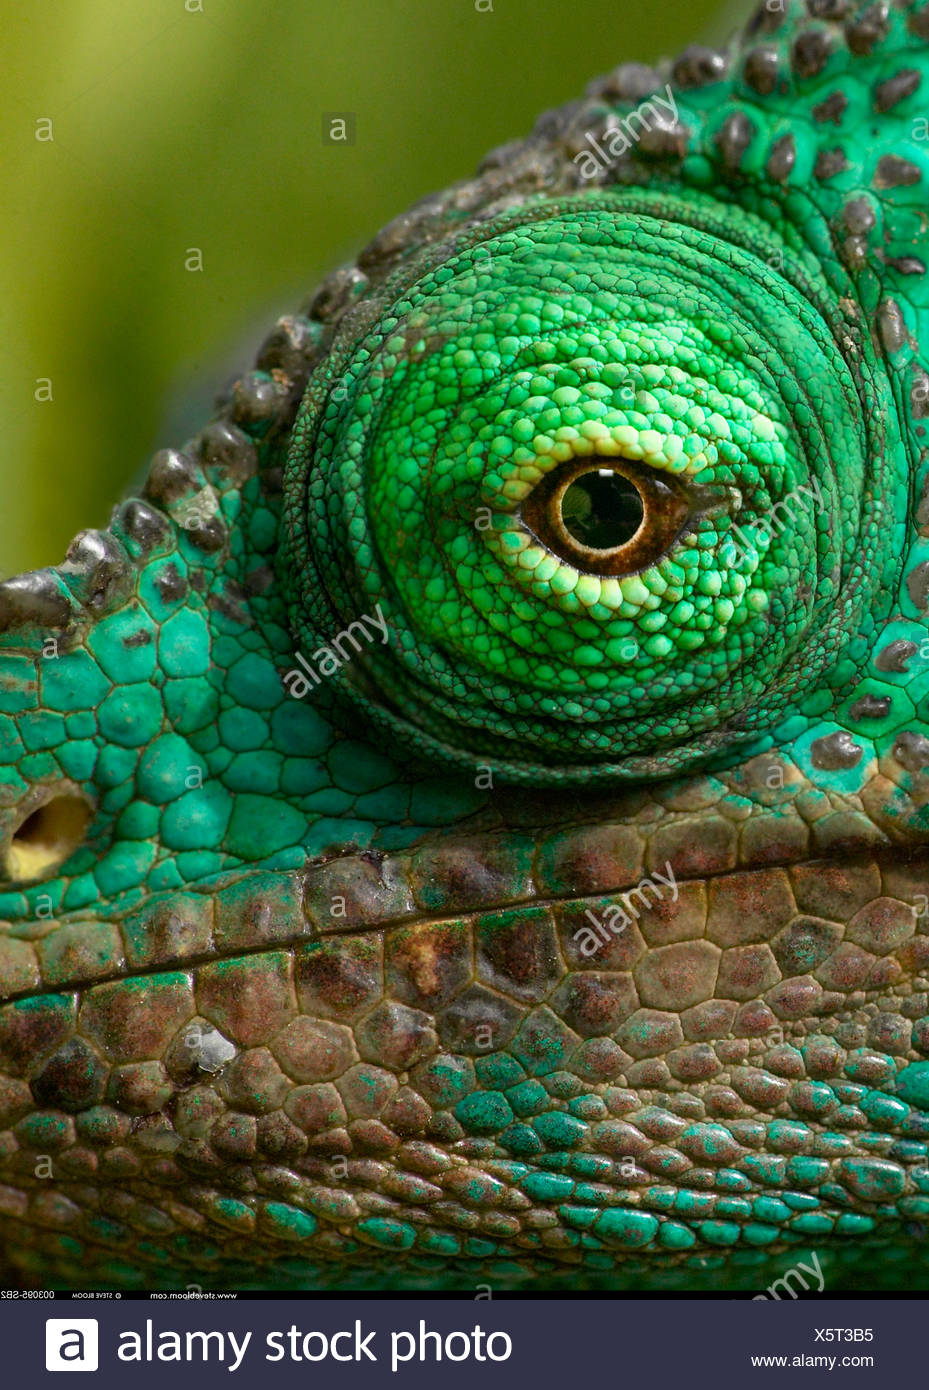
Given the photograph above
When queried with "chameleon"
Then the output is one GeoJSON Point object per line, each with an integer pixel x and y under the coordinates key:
{"type": "Point", "coordinates": [464, 822]}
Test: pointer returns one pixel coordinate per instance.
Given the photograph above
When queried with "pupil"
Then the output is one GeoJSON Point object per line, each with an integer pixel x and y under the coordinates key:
{"type": "Point", "coordinates": [602, 509]}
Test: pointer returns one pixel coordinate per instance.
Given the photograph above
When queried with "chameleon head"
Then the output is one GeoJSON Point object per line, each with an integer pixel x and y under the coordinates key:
{"type": "Point", "coordinates": [469, 814]}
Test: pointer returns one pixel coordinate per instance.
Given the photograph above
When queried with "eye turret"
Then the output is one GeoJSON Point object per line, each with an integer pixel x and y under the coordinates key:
{"type": "Point", "coordinates": [604, 466]}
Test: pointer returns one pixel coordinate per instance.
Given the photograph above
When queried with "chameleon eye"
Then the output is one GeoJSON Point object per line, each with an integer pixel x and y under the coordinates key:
{"type": "Point", "coordinates": [599, 470]}
{"type": "Point", "coordinates": [606, 516]}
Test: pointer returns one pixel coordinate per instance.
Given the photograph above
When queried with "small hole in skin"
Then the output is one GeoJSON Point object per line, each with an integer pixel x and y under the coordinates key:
{"type": "Point", "coordinates": [46, 838]}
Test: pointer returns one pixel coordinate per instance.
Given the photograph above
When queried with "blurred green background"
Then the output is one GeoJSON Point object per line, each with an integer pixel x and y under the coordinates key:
{"type": "Point", "coordinates": [179, 124]}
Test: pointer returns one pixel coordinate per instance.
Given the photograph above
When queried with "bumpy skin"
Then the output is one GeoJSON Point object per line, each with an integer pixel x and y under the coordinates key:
{"type": "Point", "coordinates": [299, 983]}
